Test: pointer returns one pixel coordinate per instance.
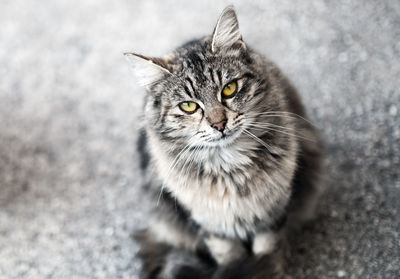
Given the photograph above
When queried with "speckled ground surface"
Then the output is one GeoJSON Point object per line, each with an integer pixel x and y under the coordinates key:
{"type": "Point", "coordinates": [69, 112]}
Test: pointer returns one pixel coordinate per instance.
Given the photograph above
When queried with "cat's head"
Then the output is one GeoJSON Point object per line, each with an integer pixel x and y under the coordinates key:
{"type": "Point", "coordinates": [209, 92]}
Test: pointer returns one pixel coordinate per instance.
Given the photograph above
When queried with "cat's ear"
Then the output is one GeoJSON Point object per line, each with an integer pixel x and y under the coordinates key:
{"type": "Point", "coordinates": [226, 32]}
{"type": "Point", "coordinates": [148, 69]}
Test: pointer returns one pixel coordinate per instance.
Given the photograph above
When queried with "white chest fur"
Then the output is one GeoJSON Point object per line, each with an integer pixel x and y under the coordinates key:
{"type": "Point", "coordinates": [213, 200]}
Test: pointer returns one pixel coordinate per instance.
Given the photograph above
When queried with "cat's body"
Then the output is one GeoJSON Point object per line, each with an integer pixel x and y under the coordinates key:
{"type": "Point", "coordinates": [228, 155]}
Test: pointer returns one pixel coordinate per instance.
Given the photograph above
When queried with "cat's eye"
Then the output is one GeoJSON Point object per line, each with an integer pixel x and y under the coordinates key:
{"type": "Point", "coordinates": [230, 89]}
{"type": "Point", "coordinates": [188, 107]}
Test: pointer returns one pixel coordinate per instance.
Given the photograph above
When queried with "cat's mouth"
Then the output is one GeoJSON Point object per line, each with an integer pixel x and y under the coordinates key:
{"type": "Point", "coordinates": [220, 137]}
{"type": "Point", "coordinates": [224, 138]}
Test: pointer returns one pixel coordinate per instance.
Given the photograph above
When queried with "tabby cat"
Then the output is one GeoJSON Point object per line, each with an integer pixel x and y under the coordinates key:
{"type": "Point", "coordinates": [229, 157]}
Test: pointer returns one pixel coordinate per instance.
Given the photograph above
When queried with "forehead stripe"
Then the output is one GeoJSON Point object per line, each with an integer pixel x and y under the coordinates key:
{"type": "Point", "coordinates": [188, 79]}
{"type": "Point", "coordinates": [195, 59]}
{"type": "Point", "coordinates": [188, 91]}
{"type": "Point", "coordinates": [210, 71]}
{"type": "Point", "coordinates": [219, 75]}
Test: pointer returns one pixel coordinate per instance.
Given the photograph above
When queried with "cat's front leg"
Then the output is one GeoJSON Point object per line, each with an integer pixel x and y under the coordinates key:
{"type": "Point", "coordinates": [271, 247]}
{"type": "Point", "coordinates": [224, 250]}
{"type": "Point", "coordinates": [268, 238]}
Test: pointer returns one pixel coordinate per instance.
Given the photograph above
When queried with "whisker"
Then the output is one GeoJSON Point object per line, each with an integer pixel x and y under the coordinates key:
{"type": "Point", "coordinates": [287, 114]}
{"type": "Point", "coordinates": [274, 127]}
{"type": "Point", "coordinates": [268, 147]}
{"type": "Point", "coordinates": [271, 158]}
{"type": "Point", "coordinates": [267, 128]}
{"type": "Point", "coordinates": [191, 161]}
{"type": "Point", "coordinates": [171, 168]}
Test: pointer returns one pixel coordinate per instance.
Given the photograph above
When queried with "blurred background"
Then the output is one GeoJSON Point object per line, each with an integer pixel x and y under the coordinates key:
{"type": "Point", "coordinates": [70, 108]}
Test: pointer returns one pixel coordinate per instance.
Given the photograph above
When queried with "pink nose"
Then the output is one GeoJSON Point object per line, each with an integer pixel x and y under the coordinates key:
{"type": "Point", "coordinates": [219, 126]}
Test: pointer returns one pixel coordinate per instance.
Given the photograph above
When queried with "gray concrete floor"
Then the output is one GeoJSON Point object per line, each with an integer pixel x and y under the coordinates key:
{"type": "Point", "coordinates": [69, 113]}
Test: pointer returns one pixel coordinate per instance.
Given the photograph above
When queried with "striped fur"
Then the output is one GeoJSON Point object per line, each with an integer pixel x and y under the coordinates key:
{"type": "Point", "coordinates": [224, 195]}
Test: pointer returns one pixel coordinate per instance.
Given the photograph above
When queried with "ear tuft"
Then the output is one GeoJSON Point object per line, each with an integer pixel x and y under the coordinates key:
{"type": "Point", "coordinates": [226, 33]}
{"type": "Point", "coordinates": [147, 69]}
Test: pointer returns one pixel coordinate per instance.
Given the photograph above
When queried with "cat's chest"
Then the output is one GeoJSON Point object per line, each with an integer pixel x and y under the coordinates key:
{"type": "Point", "coordinates": [226, 194]}
{"type": "Point", "coordinates": [221, 211]}
{"type": "Point", "coordinates": [228, 201]}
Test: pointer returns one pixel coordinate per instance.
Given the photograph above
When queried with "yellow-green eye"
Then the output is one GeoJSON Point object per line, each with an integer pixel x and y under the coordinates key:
{"type": "Point", "coordinates": [188, 107]}
{"type": "Point", "coordinates": [229, 90]}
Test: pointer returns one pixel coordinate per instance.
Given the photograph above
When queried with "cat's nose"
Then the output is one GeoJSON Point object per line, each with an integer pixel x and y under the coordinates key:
{"type": "Point", "coordinates": [219, 126]}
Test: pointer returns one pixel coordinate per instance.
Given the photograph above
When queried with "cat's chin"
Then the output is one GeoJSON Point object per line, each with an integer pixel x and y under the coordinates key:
{"type": "Point", "coordinates": [222, 140]}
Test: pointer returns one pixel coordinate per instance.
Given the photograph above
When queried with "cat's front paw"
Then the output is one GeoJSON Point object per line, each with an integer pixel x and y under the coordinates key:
{"type": "Point", "coordinates": [265, 243]}
{"type": "Point", "coordinates": [225, 250]}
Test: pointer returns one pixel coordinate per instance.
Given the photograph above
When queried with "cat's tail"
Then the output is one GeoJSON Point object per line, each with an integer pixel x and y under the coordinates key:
{"type": "Point", "coordinates": [161, 261]}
